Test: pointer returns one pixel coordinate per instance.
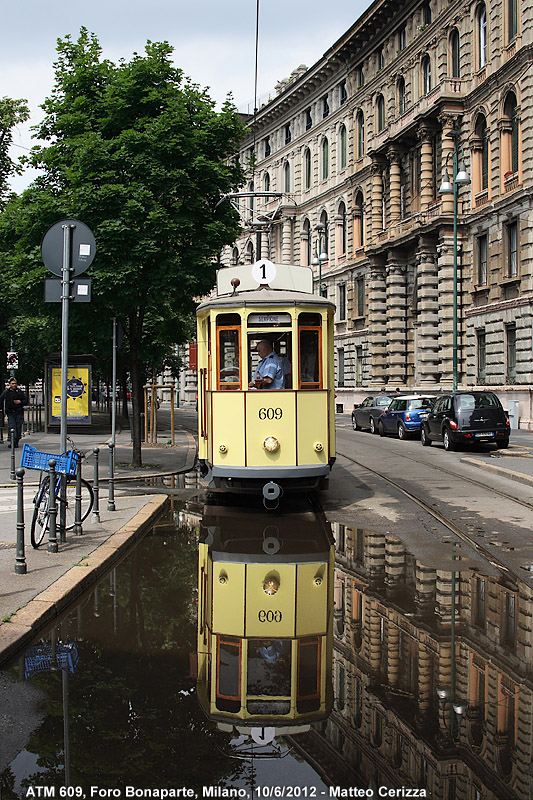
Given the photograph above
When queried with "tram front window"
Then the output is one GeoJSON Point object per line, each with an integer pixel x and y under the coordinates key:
{"type": "Point", "coordinates": [260, 346]}
{"type": "Point", "coordinates": [269, 667]}
{"type": "Point", "coordinates": [229, 371]}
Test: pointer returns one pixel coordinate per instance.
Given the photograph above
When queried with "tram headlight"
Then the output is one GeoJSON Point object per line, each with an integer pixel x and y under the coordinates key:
{"type": "Point", "coordinates": [271, 444]}
{"type": "Point", "coordinates": [223, 448]}
{"type": "Point", "coordinates": [319, 447]}
{"type": "Point", "coordinates": [270, 586]}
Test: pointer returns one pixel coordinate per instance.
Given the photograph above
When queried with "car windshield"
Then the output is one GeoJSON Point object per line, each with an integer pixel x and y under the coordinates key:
{"type": "Point", "coordinates": [482, 400]}
{"type": "Point", "coordinates": [420, 402]}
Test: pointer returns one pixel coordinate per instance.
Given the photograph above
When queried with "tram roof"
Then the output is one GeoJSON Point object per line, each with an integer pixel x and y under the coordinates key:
{"type": "Point", "coordinates": [265, 297]}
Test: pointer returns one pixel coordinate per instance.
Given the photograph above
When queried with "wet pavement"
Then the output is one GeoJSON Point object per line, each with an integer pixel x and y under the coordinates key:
{"type": "Point", "coordinates": [429, 668]}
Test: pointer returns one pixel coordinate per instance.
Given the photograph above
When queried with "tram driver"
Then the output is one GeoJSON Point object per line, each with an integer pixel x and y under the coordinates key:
{"type": "Point", "coordinates": [269, 373]}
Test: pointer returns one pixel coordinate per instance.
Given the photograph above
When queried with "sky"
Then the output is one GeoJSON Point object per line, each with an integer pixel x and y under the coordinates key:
{"type": "Point", "coordinates": [213, 40]}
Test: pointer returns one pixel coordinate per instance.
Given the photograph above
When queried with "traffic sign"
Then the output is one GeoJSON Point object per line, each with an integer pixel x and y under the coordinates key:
{"type": "Point", "coordinates": [82, 247]}
{"type": "Point", "coordinates": [12, 360]}
{"type": "Point", "coordinates": [80, 290]}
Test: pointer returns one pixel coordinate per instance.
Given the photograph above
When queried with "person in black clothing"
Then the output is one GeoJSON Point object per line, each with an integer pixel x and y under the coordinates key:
{"type": "Point", "coordinates": [12, 402]}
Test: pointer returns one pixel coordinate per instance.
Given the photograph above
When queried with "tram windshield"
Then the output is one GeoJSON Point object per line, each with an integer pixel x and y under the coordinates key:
{"type": "Point", "coordinates": [281, 345]}
{"type": "Point", "coordinates": [269, 667]}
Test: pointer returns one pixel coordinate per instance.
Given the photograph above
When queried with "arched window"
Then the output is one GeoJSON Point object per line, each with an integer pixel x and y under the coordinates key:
{"type": "Point", "coordinates": [307, 168]}
{"type": "Point", "coordinates": [266, 182]}
{"type": "Point", "coordinates": [380, 112]}
{"type": "Point", "coordinates": [325, 159]}
{"type": "Point", "coordinates": [325, 232]}
{"type": "Point", "coordinates": [251, 199]}
{"type": "Point", "coordinates": [455, 66]}
{"type": "Point", "coordinates": [481, 25]}
{"type": "Point", "coordinates": [250, 253]}
{"type": "Point", "coordinates": [307, 243]}
{"type": "Point", "coordinates": [341, 229]}
{"type": "Point", "coordinates": [359, 220]}
{"type": "Point", "coordinates": [380, 58]}
{"type": "Point", "coordinates": [343, 147]}
{"type": "Point", "coordinates": [286, 177]}
{"type": "Point", "coordinates": [360, 77]}
{"type": "Point", "coordinates": [481, 151]}
{"type": "Point", "coordinates": [511, 133]}
{"type": "Point", "coordinates": [235, 256]}
{"type": "Point", "coordinates": [401, 95]}
{"type": "Point", "coordinates": [360, 134]}
{"type": "Point", "coordinates": [426, 14]}
{"type": "Point", "coordinates": [426, 75]}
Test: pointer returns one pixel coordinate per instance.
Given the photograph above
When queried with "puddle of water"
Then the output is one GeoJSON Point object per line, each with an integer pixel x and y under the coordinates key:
{"type": "Point", "coordinates": [428, 658]}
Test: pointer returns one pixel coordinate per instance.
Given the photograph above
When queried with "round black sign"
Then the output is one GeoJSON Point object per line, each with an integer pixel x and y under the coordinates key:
{"type": "Point", "coordinates": [82, 246]}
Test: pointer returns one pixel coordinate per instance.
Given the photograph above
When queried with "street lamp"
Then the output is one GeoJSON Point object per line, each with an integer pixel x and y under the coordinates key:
{"type": "Point", "coordinates": [460, 178]}
{"type": "Point", "coordinates": [458, 711]}
{"type": "Point", "coordinates": [318, 260]}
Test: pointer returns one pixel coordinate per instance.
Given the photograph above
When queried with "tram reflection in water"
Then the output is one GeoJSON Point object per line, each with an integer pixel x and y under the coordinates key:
{"type": "Point", "coordinates": [265, 620]}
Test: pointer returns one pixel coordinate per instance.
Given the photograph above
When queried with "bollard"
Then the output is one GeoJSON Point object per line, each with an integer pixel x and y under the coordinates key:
{"type": "Point", "coordinates": [63, 509]}
{"type": "Point", "coordinates": [20, 562]}
{"type": "Point", "coordinates": [96, 487]}
{"type": "Point", "coordinates": [12, 445]}
{"type": "Point", "coordinates": [52, 509]}
{"type": "Point", "coordinates": [111, 485]}
{"type": "Point", "coordinates": [78, 530]}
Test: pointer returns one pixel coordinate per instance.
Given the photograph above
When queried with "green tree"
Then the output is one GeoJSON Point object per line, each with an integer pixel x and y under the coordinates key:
{"type": "Point", "coordinates": [139, 153]}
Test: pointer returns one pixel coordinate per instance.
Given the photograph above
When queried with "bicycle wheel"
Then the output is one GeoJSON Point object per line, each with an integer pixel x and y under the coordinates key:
{"type": "Point", "coordinates": [40, 520]}
{"type": "Point", "coordinates": [87, 500]}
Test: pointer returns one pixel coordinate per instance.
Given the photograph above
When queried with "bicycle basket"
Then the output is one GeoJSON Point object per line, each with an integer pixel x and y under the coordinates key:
{"type": "Point", "coordinates": [32, 459]}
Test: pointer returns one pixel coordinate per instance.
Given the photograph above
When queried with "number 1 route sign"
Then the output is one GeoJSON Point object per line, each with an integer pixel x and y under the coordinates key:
{"type": "Point", "coordinates": [82, 247]}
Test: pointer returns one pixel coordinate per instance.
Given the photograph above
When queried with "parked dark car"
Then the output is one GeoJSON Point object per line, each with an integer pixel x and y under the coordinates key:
{"type": "Point", "coordinates": [466, 418]}
{"type": "Point", "coordinates": [367, 414]}
{"type": "Point", "coordinates": [405, 415]}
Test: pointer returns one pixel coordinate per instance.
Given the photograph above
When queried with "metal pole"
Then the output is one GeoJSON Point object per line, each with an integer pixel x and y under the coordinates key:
{"type": "Point", "coordinates": [111, 482]}
{"type": "Point", "coordinates": [12, 444]}
{"type": "Point", "coordinates": [114, 389]}
{"type": "Point", "coordinates": [452, 645]}
{"type": "Point", "coordinates": [63, 509]}
{"type": "Point", "coordinates": [52, 509]}
{"type": "Point", "coordinates": [172, 430]}
{"type": "Point", "coordinates": [65, 296]}
{"type": "Point", "coordinates": [96, 487]}
{"type": "Point", "coordinates": [78, 530]}
{"type": "Point", "coordinates": [20, 561]}
{"type": "Point", "coordinates": [455, 324]}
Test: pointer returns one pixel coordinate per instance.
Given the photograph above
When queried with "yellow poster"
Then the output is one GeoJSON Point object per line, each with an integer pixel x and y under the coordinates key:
{"type": "Point", "coordinates": [78, 394]}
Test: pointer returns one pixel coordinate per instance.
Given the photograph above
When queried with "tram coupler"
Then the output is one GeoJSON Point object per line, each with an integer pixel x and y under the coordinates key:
{"type": "Point", "coordinates": [271, 495]}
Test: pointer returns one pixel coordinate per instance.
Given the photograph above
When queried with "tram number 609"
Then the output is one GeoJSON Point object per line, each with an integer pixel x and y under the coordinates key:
{"type": "Point", "coordinates": [269, 616]}
{"type": "Point", "coordinates": [270, 413]}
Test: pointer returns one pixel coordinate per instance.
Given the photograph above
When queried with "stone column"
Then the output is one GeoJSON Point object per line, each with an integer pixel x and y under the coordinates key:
{"type": "Point", "coordinates": [375, 640]}
{"type": "Point", "coordinates": [286, 242]}
{"type": "Point", "coordinates": [424, 680]}
{"type": "Point", "coordinates": [427, 287]}
{"type": "Point", "coordinates": [396, 322]}
{"type": "Point", "coordinates": [395, 185]}
{"type": "Point", "coordinates": [425, 578]}
{"type": "Point", "coordinates": [265, 242]}
{"type": "Point", "coordinates": [427, 190]}
{"type": "Point", "coordinates": [377, 322]}
{"type": "Point", "coordinates": [394, 561]}
{"type": "Point", "coordinates": [445, 307]}
{"type": "Point", "coordinates": [377, 198]}
{"type": "Point", "coordinates": [448, 123]}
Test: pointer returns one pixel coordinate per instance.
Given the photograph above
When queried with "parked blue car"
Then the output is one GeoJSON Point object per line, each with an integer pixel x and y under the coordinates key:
{"type": "Point", "coordinates": [405, 415]}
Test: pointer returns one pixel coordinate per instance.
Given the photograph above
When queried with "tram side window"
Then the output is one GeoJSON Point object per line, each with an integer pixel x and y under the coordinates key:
{"type": "Point", "coordinates": [229, 674]}
{"type": "Point", "coordinates": [229, 358]}
{"type": "Point", "coordinates": [308, 675]}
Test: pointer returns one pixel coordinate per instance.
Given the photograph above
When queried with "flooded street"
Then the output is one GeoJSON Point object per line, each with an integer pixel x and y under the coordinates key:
{"type": "Point", "coordinates": [235, 652]}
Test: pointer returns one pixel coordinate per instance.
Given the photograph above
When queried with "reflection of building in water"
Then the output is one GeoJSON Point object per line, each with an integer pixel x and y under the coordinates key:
{"type": "Point", "coordinates": [393, 649]}
{"type": "Point", "coordinates": [265, 619]}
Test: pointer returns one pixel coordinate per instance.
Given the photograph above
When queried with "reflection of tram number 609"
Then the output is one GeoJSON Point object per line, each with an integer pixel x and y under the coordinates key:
{"type": "Point", "coordinates": [269, 616]}
{"type": "Point", "coordinates": [270, 413]}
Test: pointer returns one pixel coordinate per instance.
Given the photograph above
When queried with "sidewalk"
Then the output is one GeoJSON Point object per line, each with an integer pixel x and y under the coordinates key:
{"type": "Point", "coordinates": [53, 580]}
{"type": "Point", "coordinates": [515, 463]}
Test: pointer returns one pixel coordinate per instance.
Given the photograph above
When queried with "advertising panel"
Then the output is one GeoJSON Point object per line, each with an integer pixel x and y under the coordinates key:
{"type": "Point", "coordinates": [78, 395]}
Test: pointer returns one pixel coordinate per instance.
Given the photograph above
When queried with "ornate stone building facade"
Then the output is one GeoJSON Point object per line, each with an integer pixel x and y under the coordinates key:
{"type": "Point", "coordinates": [395, 651]}
{"type": "Point", "coordinates": [357, 147]}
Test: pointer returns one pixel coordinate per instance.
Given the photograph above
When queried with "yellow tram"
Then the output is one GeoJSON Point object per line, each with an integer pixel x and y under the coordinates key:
{"type": "Point", "coordinates": [255, 436]}
{"type": "Point", "coordinates": [265, 616]}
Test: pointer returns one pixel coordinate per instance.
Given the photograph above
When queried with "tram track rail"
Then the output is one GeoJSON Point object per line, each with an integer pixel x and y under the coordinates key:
{"type": "Point", "coordinates": [452, 526]}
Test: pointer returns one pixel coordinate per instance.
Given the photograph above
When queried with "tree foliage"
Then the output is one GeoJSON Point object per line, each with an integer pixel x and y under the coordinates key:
{"type": "Point", "coordinates": [138, 153]}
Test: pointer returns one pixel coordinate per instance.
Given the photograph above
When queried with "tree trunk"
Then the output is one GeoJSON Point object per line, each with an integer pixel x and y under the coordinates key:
{"type": "Point", "coordinates": [137, 406]}
{"type": "Point", "coordinates": [124, 384]}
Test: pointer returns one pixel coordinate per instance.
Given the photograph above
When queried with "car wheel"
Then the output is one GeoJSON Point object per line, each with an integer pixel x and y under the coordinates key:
{"type": "Point", "coordinates": [502, 445]}
{"type": "Point", "coordinates": [355, 426]}
{"type": "Point", "coordinates": [402, 432]}
{"type": "Point", "coordinates": [448, 444]}
{"type": "Point", "coordinates": [372, 425]}
{"type": "Point", "coordinates": [381, 429]}
{"type": "Point", "coordinates": [424, 438]}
